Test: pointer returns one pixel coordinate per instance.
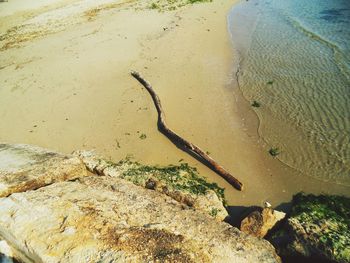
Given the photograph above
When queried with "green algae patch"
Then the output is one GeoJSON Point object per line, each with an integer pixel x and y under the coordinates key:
{"type": "Point", "coordinates": [181, 182]}
{"type": "Point", "coordinates": [180, 177]}
{"type": "Point", "coordinates": [332, 213]}
{"type": "Point", "coordinates": [318, 227]}
{"type": "Point", "coordinates": [322, 207]}
{"type": "Point", "coordinates": [274, 151]}
{"type": "Point", "coordinates": [256, 104]}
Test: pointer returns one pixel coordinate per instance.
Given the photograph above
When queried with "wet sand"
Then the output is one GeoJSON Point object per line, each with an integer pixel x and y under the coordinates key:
{"type": "Point", "coordinates": [67, 86]}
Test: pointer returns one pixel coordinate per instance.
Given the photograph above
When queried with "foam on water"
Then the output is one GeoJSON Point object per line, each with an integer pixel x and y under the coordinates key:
{"type": "Point", "coordinates": [303, 49]}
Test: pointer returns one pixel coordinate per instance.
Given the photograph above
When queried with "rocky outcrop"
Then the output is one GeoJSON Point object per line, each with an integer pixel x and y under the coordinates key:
{"type": "Point", "coordinates": [181, 182]}
{"type": "Point", "coordinates": [109, 219]}
{"type": "Point", "coordinates": [25, 167]}
{"type": "Point", "coordinates": [318, 228]}
{"type": "Point", "coordinates": [103, 219]}
{"type": "Point", "coordinates": [260, 221]}
{"type": "Point", "coordinates": [6, 254]}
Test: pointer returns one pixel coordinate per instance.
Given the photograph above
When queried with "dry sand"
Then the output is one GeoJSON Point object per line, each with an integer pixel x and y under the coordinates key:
{"type": "Point", "coordinates": [65, 85]}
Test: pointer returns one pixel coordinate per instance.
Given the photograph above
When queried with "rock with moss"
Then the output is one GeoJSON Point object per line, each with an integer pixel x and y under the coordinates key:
{"type": "Point", "coordinates": [105, 219]}
{"type": "Point", "coordinates": [181, 182]}
{"type": "Point", "coordinates": [93, 218]}
{"type": "Point", "coordinates": [318, 228]}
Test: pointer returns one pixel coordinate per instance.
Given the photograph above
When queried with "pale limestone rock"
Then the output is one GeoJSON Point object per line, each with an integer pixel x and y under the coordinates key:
{"type": "Point", "coordinates": [5, 249]}
{"type": "Point", "coordinates": [94, 163]}
{"type": "Point", "coordinates": [25, 167]}
{"type": "Point", "coordinates": [259, 222]}
{"type": "Point", "coordinates": [6, 252]}
{"type": "Point", "coordinates": [208, 203]}
{"type": "Point", "coordinates": [105, 219]}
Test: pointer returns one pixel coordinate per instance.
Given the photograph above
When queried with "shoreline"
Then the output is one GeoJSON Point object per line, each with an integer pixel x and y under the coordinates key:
{"type": "Point", "coordinates": [89, 100]}
{"type": "Point", "coordinates": [251, 121]}
{"type": "Point", "coordinates": [279, 125]}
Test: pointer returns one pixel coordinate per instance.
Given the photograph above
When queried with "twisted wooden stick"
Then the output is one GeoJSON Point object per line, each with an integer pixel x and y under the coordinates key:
{"type": "Point", "coordinates": [163, 128]}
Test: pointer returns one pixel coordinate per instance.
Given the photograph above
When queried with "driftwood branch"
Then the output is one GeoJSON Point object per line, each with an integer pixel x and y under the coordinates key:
{"type": "Point", "coordinates": [182, 142]}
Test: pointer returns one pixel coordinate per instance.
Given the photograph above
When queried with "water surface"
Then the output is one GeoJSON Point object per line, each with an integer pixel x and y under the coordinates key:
{"type": "Point", "coordinates": [295, 61]}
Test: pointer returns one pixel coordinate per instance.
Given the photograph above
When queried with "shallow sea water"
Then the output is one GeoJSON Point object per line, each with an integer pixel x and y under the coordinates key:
{"type": "Point", "coordinates": [295, 61]}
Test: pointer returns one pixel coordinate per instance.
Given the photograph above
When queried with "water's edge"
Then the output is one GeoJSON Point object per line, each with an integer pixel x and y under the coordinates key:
{"type": "Point", "coordinates": [241, 23]}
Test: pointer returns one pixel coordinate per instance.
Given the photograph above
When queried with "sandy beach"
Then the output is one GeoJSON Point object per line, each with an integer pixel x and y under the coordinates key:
{"type": "Point", "coordinates": [66, 85]}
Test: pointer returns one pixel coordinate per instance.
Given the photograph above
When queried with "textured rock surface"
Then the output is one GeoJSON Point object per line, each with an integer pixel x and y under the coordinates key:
{"type": "Point", "coordinates": [25, 167]}
{"type": "Point", "coordinates": [260, 221]}
{"type": "Point", "coordinates": [6, 253]}
{"type": "Point", "coordinates": [46, 217]}
{"type": "Point", "coordinates": [207, 200]}
{"type": "Point", "coordinates": [104, 219]}
{"type": "Point", "coordinates": [318, 228]}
